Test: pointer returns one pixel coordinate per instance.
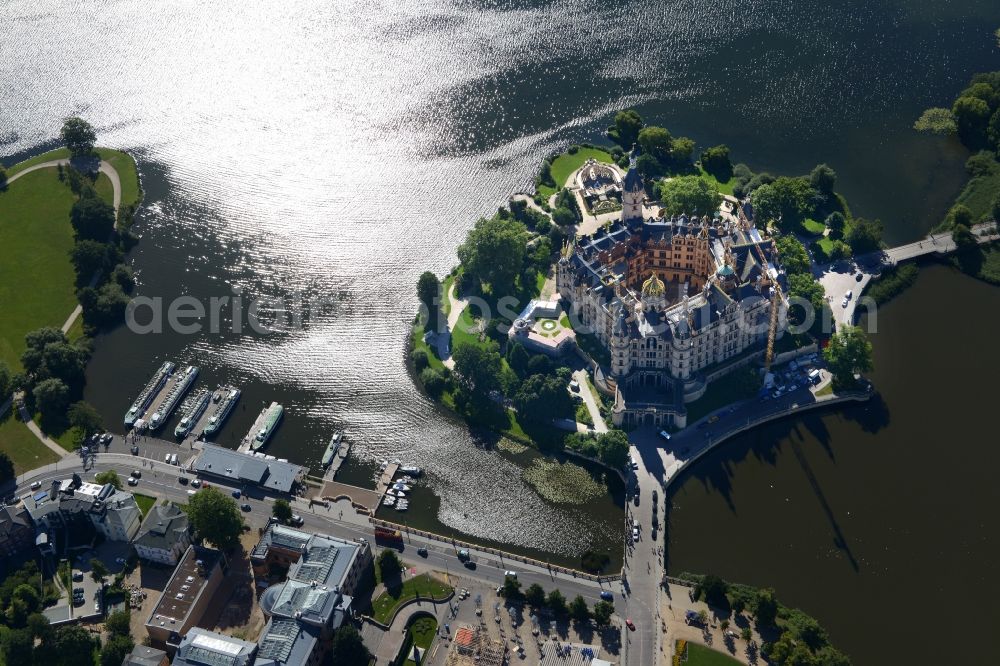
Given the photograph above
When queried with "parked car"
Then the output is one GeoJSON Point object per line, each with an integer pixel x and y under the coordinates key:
{"type": "Point", "coordinates": [607, 595]}
{"type": "Point", "coordinates": [237, 494]}
{"type": "Point", "coordinates": [297, 519]}
{"type": "Point", "coordinates": [107, 438]}
{"type": "Point", "coordinates": [510, 574]}
{"type": "Point", "coordinates": [665, 435]}
{"type": "Point", "coordinates": [183, 480]}
{"type": "Point", "coordinates": [195, 483]}
{"type": "Point", "coordinates": [635, 534]}
{"type": "Point", "coordinates": [629, 624]}
{"type": "Point", "coordinates": [422, 552]}
{"type": "Point", "coordinates": [77, 590]}
{"type": "Point", "coordinates": [574, 385]}
{"type": "Point", "coordinates": [77, 575]}
{"type": "Point", "coordinates": [132, 481]}
{"type": "Point", "coordinates": [135, 450]}
{"type": "Point", "coordinates": [463, 554]}
{"type": "Point", "coordinates": [137, 474]}
{"type": "Point", "coordinates": [35, 485]}
{"type": "Point", "coordinates": [849, 295]}
{"type": "Point", "coordinates": [844, 302]}
{"type": "Point", "coordinates": [246, 507]}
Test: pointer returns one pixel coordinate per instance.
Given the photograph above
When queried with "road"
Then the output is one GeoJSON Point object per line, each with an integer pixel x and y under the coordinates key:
{"type": "Point", "coordinates": [161, 480]}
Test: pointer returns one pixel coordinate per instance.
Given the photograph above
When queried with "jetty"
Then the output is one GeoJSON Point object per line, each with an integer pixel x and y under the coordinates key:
{"type": "Point", "coordinates": [363, 499]}
{"type": "Point", "coordinates": [150, 392]}
{"type": "Point", "coordinates": [337, 462]}
{"type": "Point", "coordinates": [170, 397]}
{"type": "Point", "coordinates": [262, 428]}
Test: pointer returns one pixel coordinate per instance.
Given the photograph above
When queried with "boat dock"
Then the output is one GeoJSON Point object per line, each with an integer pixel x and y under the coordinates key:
{"type": "Point", "coordinates": [170, 397]}
{"type": "Point", "coordinates": [199, 427]}
{"type": "Point", "coordinates": [338, 460]}
{"type": "Point", "coordinates": [362, 498]}
{"type": "Point", "coordinates": [265, 421]}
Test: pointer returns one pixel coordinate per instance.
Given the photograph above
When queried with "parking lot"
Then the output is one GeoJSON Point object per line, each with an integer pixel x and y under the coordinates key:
{"type": "Point", "coordinates": [113, 555]}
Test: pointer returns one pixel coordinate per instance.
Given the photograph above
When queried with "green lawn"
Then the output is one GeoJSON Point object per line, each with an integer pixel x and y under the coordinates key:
{"type": "Point", "coordinates": [461, 333]}
{"type": "Point", "coordinates": [36, 277]}
{"type": "Point", "coordinates": [24, 449]}
{"type": "Point", "coordinates": [421, 633]}
{"type": "Point", "coordinates": [826, 243]}
{"type": "Point", "coordinates": [127, 173]}
{"type": "Point", "coordinates": [564, 165]}
{"type": "Point", "coordinates": [737, 386]}
{"type": "Point", "coordinates": [145, 503]}
{"type": "Point", "coordinates": [979, 193]}
{"type": "Point", "coordinates": [723, 187]}
{"type": "Point", "coordinates": [812, 227]}
{"type": "Point", "coordinates": [427, 586]}
{"type": "Point", "coordinates": [699, 655]}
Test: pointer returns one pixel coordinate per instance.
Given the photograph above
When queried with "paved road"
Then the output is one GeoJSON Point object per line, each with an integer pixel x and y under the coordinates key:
{"type": "Point", "coordinates": [161, 480]}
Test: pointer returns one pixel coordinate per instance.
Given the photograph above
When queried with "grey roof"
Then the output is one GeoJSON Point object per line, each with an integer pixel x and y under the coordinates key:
{"type": "Point", "coordinates": [142, 655]}
{"type": "Point", "coordinates": [163, 528]}
{"type": "Point", "coordinates": [247, 468]}
{"type": "Point", "coordinates": [206, 648]}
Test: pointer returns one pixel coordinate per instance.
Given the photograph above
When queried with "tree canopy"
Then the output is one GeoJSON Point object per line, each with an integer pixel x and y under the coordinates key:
{"type": "Point", "coordinates": [715, 160]}
{"type": "Point", "coordinates": [479, 366]}
{"type": "Point", "coordinates": [864, 235]}
{"type": "Point", "coordinates": [92, 218]}
{"type": "Point", "coordinates": [786, 201]}
{"type": "Point", "coordinates": [493, 253]}
{"type": "Point", "coordinates": [51, 398]}
{"type": "Point", "coordinates": [347, 648]}
{"type": "Point", "coordinates": [109, 476]}
{"type": "Point", "coordinates": [281, 510]}
{"type": "Point", "coordinates": [625, 131]}
{"type": "Point", "coordinates": [389, 566]}
{"type": "Point", "coordinates": [690, 195]}
{"type": "Point", "coordinates": [936, 121]}
{"type": "Point", "coordinates": [83, 416]}
{"type": "Point", "coordinates": [793, 255]}
{"type": "Point", "coordinates": [215, 518]}
{"type": "Point", "coordinates": [655, 141]}
{"type": "Point", "coordinates": [848, 353]}
{"type": "Point", "coordinates": [822, 178]}
{"type": "Point", "coordinates": [428, 290]}
{"type": "Point", "coordinates": [542, 397]}
{"type": "Point", "coordinates": [78, 136]}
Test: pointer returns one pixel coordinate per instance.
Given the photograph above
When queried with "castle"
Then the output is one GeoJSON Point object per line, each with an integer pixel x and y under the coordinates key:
{"type": "Point", "coordinates": [676, 301]}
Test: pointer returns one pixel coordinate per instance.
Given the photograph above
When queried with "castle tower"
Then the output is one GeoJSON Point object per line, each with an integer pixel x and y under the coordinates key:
{"type": "Point", "coordinates": [654, 293]}
{"type": "Point", "coordinates": [621, 362]}
{"type": "Point", "coordinates": [632, 192]}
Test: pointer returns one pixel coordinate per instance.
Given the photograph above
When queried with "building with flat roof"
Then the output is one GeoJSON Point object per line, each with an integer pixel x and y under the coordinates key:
{"type": "Point", "coordinates": [164, 535]}
{"type": "Point", "coordinates": [112, 512]}
{"type": "Point", "coordinates": [248, 469]}
{"type": "Point", "coordinates": [201, 647]}
{"type": "Point", "coordinates": [142, 655]}
{"type": "Point", "coordinates": [187, 594]}
{"type": "Point", "coordinates": [314, 600]}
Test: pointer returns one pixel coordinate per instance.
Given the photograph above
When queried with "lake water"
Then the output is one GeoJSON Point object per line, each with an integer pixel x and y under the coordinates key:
{"type": "Point", "coordinates": [337, 150]}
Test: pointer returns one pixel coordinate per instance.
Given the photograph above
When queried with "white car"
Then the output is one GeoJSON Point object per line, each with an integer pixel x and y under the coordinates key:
{"type": "Point", "coordinates": [849, 295]}
{"type": "Point", "coordinates": [35, 485]}
{"type": "Point", "coordinates": [574, 385]}
{"type": "Point", "coordinates": [510, 574]}
{"type": "Point", "coordinates": [844, 302]}
{"type": "Point", "coordinates": [635, 534]}
{"type": "Point", "coordinates": [665, 435]}
{"type": "Point", "coordinates": [196, 483]}
{"type": "Point", "coordinates": [132, 481]}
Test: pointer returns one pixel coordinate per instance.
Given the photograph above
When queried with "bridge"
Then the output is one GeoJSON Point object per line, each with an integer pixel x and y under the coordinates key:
{"type": "Point", "coordinates": [840, 277]}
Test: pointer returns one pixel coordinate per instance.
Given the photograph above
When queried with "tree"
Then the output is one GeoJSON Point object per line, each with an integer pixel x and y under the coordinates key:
{"type": "Point", "coordinates": [98, 572]}
{"type": "Point", "coordinates": [648, 166]}
{"type": "Point", "coordinates": [433, 381]}
{"type": "Point", "coordinates": [541, 397]}
{"type": "Point", "coordinates": [105, 307]}
{"type": "Point", "coordinates": [556, 603]}
{"type": "Point", "coordinates": [822, 179]}
{"type": "Point", "coordinates": [118, 622]}
{"type": "Point", "coordinates": [765, 608]}
{"type": "Point", "coordinates": [16, 647]}
{"type": "Point", "coordinates": [6, 381]}
{"type": "Point", "coordinates": [602, 612]}
{"type": "Point", "coordinates": [835, 222]}
{"type": "Point", "coordinates": [429, 290]}
{"type": "Point", "coordinates": [72, 646]}
{"type": "Point", "coordinates": [92, 218]}
{"type": "Point", "coordinates": [110, 476]}
{"type": "Point", "coordinates": [625, 131]}
{"type": "Point", "coordinates": [848, 353]}
{"type": "Point", "coordinates": [6, 467]}
{"type": "Point", "coordinates": [613, 447]}
{"type": "Point", "coordinates": [655, 141]}
{"type": "Point", "coordinates": [215, 518]}
{"type": "Point", "coordinates": [689, 194]}
{"type": "Point", "coordinates": [535, 595]}
{"type": "Point", "coordinates": [479, 366]}
{"type": "Point", "coordinates": [493, 253]}
{"type": "Point", "coordinates": [963, 237]}
{"type": "Point", "coordinates": [78, 136]}
{"type": "Point", "coordinates": [714, 589]}
{"type": "Point", "coordinates": [347, 648]}
{"type": "Point", "coordinates": [960, 215]}
{"type": "Point", "coordinates": [51, 399]}
{"type": "Point", "coordinates": [681, 150]}
{"type": "Point", "coordinates": [715, 160]}
{"type": "Point", "coordinates": [786, 201]}
{"type": "Point", "coordinates": [563, 216]}
{"type": "Point", "coordinates": [864, 235]}
{"type": "Point", "coordinates": [936, 121]}
{"type": "Point", "coordinates": [972, 117]}
{"type": "Point", "coordinates": [578, 610]}
{"type": "Point", "coordinates": [793, 255]}
{"type": "Point", "coordinates": [518, 358]}
{"type": "Point", "coordinates": [420, 359]}
{"type": "Point", "coordinates": [83, 416]}
{"type": "Point", "coordinates": [746, 633]}
{"type": "Point", "coordinates": [802, 285]}
{"type": "Point", "coordinates": [389, 566]}
{"type": "Point", "coordinates": [115, 649]}
{"type": "Point", "coordinates": [88, 257]}
{"type": "Point", "coordinates": [511, 589]}
{"type": "Point", "coordinates": [281, 510]}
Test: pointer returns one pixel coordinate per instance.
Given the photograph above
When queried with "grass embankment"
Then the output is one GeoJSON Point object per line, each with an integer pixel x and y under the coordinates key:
{"type": "Point", "coordinates": [893, 281]}
{"type": "Point", "coordinates": [723, 186]}
{"type": "Point", "coordinates": [145, 503]}
{"type": "Point", "coordinates": [564, 165]}
{"type": "Point", "coordinates": [699, 655]}
{"type": "Point", "coordinates": [740, 385]}
{"type": "Point", "coordinates": [425, 585]}
{"type": "Point", "coordinates": [36, 276]}
{"type": "Point", "coordinates": [420, 633]}
{"type": "Point", "coordinates": [24, 449]}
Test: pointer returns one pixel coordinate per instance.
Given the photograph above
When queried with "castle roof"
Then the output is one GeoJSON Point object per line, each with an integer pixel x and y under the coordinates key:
{"type": "Point", "coordinates": [653, 287]}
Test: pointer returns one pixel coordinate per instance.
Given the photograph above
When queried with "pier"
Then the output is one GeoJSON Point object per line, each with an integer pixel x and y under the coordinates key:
{"type": "Point", "coordinates": [163, 396]}
{"type": "Point", "coordinates": [338, 461]}
{"type": "Point", "coordinates": [362, 498]}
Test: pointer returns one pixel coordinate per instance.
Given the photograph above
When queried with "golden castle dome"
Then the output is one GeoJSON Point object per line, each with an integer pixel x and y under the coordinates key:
{"type": "Point", "coordinates": [653, 287]}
